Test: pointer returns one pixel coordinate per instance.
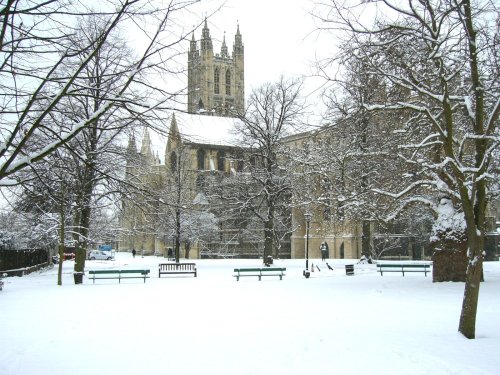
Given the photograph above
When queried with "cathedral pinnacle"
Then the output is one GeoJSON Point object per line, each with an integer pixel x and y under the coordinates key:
{"type": "Point", "coordinates": [206, 40]}
{"type": "Point", "coordinates": [238, 42]}
{"type": "Point", "coordinates": [223, 50]}
{"type": "Point", "coordinates": [132, 146]}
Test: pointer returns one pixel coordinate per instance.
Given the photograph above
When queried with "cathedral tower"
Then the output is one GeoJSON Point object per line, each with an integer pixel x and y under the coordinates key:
{"type": "Point", "coordinates": [216, 82]}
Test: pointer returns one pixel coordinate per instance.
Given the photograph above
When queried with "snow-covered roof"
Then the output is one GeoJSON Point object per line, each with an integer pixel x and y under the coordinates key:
{"type": "Point", "coordinates": [204, 129]}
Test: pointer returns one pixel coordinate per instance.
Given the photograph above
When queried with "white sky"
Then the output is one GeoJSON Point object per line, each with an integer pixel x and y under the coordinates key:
{"type": "Point", "coordinates": [275, 35]}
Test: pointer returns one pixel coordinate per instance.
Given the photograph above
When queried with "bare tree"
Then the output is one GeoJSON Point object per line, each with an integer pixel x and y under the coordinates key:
{"type": "Point", "coordinates": [178, 195]}
{"type": "Point", "coordinates": [442, 56]}
{"type": "Point", "coordinates": [36, 43]}
{"type": "Point", "coordinates": [274, 111]}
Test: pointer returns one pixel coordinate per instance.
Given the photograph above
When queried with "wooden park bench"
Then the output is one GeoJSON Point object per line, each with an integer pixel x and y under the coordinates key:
{"type": "Point", "coordinates": [176, 268]}
{"type": "Point", "coordinates": [403, 267]}
{"type": "Point", "coordinates": [259, 272]}
{"type": "Point", "coordinates": [118, 274]}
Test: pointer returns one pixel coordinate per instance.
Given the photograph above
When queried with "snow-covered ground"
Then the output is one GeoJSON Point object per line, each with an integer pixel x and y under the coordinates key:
{"type": "Point", "coordinates": [212, 324]}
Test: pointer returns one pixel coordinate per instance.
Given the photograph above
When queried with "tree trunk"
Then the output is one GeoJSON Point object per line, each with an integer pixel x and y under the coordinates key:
{"type": "Point", "coordinates": [268, 239]}
{"type": "Point", "coordinates": [83, 230]}
{"type": "Point", "coordinates": [177, 234]}
{"type": "Point", "coordinates": [365, 239]}
{"type": "Point", "coordinates": [61, 246]}
{"type": "Point", "coordinates": [62, 234]}
{"type": "Point", "coordinates": [467, 325]}
{"type": "Point", "coordinates": [79, 268]}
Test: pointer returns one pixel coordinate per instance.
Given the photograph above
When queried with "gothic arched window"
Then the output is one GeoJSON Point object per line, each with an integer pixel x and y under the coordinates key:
{"type": "Point", "coordinates": [216, 81]}
{"type": "Point", "coordinates": [221, 156]}
{"type": "Point", "coordinates": [228, 82]}
{"type": "Point", "coordinates": [201, 159]}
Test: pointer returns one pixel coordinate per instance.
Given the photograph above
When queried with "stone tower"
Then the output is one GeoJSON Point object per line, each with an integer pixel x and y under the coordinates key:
{"type": "Point", "coordinates": [216, 82]}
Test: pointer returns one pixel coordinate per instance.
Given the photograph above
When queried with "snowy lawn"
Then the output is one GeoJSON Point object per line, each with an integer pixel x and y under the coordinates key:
{"type": "Point", "coordinates": [212, 324]}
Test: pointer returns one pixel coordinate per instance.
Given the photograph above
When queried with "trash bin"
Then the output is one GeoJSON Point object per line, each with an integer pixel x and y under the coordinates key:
{"type": "Point", "coordinates": [349, 269]}
{"type": "Point", "coordinates": [78, 277]}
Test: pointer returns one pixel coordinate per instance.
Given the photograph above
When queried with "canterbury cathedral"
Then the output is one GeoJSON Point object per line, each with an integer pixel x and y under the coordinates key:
{"type": "Point", "coordinates": [180, 205]}
{"type": "Point", "coordinates": [186, 203]}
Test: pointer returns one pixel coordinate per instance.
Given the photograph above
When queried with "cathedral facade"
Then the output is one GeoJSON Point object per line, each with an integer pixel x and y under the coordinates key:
{"type": "Point", "coordinates": [176, 207]}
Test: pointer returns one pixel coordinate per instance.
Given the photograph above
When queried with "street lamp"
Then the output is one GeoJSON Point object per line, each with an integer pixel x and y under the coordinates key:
{"type": "Point", "coordinates": [308, 217]}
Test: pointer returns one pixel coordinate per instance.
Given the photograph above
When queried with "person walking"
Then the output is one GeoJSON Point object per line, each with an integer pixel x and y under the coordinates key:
{"type": "Point", "coordinates": [133, 252]}
{"type": "Point", "coordinates": [324, 250]}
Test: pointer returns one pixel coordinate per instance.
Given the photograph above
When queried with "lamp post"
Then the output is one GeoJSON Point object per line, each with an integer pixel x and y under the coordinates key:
{"type": "Point", "coordinates": [308, 217]}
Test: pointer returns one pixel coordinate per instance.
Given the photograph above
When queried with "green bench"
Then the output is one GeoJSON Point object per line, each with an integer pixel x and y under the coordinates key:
{"type": "Point", "coordinates": [405, 267]}
{"type": "Point", "coordinates": [118, 274]}
{"type": "Point", "coordinates": [259, 272]}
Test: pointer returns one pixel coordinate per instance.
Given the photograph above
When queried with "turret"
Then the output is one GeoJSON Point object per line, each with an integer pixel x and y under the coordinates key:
{"type": "Point", "coordinates": [206, 40]}
{"type": "Point", "coordinates": [132, 146]}
{"type": "Point", "coordinates": [223, 50]}
{"type": "Point", "coordinates": [146, 147]}
{"type": "Point", "coordinates": [239, 71]}
{"type": "Point", "coordinates": [193, 48]}
{"type": "Point", "coordinates": [174, 138]}
{"type": "Point", "coordinates": [238, 48]}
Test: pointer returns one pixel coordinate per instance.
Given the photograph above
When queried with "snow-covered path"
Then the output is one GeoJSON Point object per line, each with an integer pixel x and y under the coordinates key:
{"type": "Point", "coordinates": [212, 324]}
